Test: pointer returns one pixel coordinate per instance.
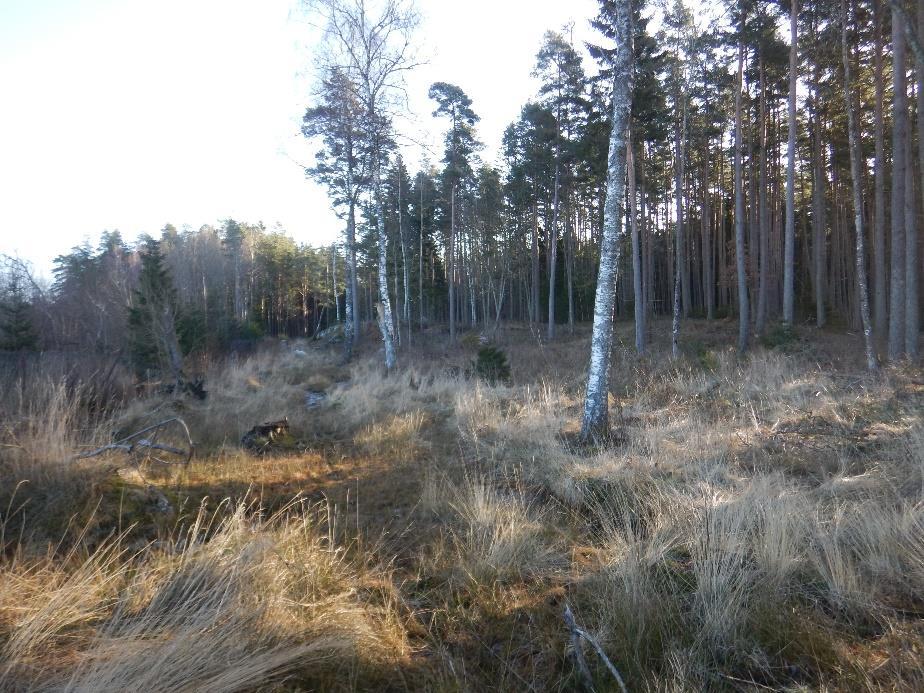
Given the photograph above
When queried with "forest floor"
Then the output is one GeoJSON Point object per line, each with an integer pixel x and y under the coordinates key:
{"type": "Point", "coordinates": [759, 525]}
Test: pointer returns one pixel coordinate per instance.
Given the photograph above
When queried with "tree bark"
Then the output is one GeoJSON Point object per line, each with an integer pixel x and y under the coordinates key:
{"type": "Point", "coordinates": [854, 145]}
{"type": "Point", "coordinates": [386, 320]}
{"type": "Point", "coordinates": [789, 267]}
{"type": "Point", "coordinates": [451, 267]}
{"type": "Point", "coordinates": [899, 132]}
{"type": "Point", "coordinates": [553, 251]}
{"type": "Point", "coordinates": [595, 424]}
{"type": "Point", "coordinates": [740, 260]}
{"type": "Point", "coordinates": [638, 292]}
{"type": "Point", "coordinates": [763, 227]}
{"type": "Point", "coordinates": [708, 253]}
{"type": "Point", "coordinates": [880, 273]}
{"type": "Point", "coordinates": [819, 222]}
{"type": "Point", "coordinates": [351, 326]}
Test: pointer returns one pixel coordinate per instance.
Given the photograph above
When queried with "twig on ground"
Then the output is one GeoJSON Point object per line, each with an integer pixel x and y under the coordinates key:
{"type": "Point", "coordinates": [135, 442]}
{"type": "Point", "coordinates": [576, 635]}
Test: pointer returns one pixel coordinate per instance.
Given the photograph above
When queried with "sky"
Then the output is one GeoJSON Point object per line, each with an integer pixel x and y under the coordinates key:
{"type": "Point", "coordinates": [131, 114]}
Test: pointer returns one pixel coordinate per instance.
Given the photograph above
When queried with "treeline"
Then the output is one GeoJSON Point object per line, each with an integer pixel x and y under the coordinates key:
{"type": "Point", "coordinates": [226, 284]}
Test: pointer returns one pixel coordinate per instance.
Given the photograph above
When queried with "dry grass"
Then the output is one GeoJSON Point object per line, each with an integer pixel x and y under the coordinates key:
{"type": "Point", "coordinates": [230, 602]}
{"type": "Point", "coordinates": [760, 525]}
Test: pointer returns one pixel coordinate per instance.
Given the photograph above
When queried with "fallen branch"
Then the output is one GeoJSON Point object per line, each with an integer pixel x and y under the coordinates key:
{"type": "Point", "coordinates": [578, 633]}
{"type": "Point", "coordinates": [134, 442]}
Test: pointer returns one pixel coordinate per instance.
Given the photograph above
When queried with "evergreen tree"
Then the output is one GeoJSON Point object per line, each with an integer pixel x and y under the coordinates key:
{"type": "Point", "coordinates": [17, 333]}
{"type": "Point", "coordinates": [152, 320]}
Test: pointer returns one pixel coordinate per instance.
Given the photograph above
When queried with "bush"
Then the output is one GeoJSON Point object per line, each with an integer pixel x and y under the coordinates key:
{"type": "Point", "coordinates": [491, 365]}
{"type": "Point", "coordinates": [781, 337]}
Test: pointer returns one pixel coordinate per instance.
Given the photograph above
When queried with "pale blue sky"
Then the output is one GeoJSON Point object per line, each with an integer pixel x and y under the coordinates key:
{"type": "Point", "coordinates": [130, 114]}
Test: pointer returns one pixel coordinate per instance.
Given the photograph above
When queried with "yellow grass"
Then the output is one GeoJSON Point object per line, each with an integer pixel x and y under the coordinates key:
{"type": "Point", "coordinates": [761, 524]}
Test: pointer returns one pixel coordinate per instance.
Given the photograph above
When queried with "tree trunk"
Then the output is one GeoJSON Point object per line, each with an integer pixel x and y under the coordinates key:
{"type": "Point", "coordinates": [880, 274]}
{"type": "Point", "coordinates": [639, 293]}
{"type": "Point", "coordinates": [681, 275]}
{"type": "Point", "coordinates": [708, 253]}
{"type": "Point", "coordinates": [912, 316]}
{"type": "Point", "coordinates": [743, 306]}
{"type": "Point", "coordinates": [553, 251]}
{"type": "Point", "coordinates": [595, 423]}
{"type": "Point", "coordinates": [789, 253]}
{"type": "Point", "coordinates": [899, 132]}
{"type": "Point", "coordinates": [420, 259]}
{"type": "Point", "coordinates": [385, 319]}
{"type": "Point", "coordinates": [819, 222]}
{"type": "Point", "coordinates": [763, 229]}
{"type": "Point", "coordinates": [450, 267]}
{"type": "Point", "coordinates": [351, 326]}
{"type": "Point", "coordinates": [854, 145]}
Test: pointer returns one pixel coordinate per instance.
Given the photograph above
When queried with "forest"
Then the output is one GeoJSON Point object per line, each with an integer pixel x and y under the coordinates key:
{"type": "Point", "coordinates": [636, 405]}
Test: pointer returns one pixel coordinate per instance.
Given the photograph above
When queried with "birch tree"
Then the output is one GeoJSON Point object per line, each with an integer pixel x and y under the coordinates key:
{"type": "Point", "coordinates": [374, 50]}
{"type": "Point", "coordinates": [595, 424]}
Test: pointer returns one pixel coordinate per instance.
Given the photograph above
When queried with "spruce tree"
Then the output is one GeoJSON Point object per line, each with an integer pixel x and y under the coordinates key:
{"type": "Point", "coordinates": [17, 332]}
{"type": "Point", "coordinates": [152, 319]}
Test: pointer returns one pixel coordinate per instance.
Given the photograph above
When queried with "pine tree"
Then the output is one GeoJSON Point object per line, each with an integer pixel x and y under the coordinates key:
{"type": "Point", "coordinates": [17, 333]}
{"type": "Point", "coordinates": [152, 320]}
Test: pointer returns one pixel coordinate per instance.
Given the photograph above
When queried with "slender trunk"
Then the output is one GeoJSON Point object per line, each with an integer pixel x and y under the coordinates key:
{"type": "Point", "coordinates": [680, 263]}
{"type": "Point", "coordinates": [397, 274]}
{"type": "Point", "coordinates": [679, 173]}
{"type": "Point", "coordinates": [450, 267]}
{"type": "Point", "coordinates": [855, 155]}
{"type": "Point", "coordinates": [911, 247]}
{"type": "Point", "coordinates": [912, 316]}
{"type": "Point", "coordinates": [789, 253]}
{"type": "Point", "coordinates": [385, 319]}
{"type": "Point", "coordinates": [595, 423]}
{"type": "Point", "coordinates": [406, 309]}
{"type": "Point", "coordinates": [553, 251]}
{"type": "Point", "coordinates": [569, 270]}
{"type": "Point", "coordinates": [639, 294]}
{"type": "Point", "coordinates": [819, 222]}
{"type": "Point", "coordinates": [333, 262]}
{"type": "Point", "coordinates": [420, 259]}
{"type": "Point", "coordinates": [899, 131]}
{"type": "Point", "coordinates": [708, 253]}
{"type": "Point", "coordinates": [763, 227]}
{"type": "Point", "coordinates": [880, 274]}
{"type": "Point", "coordinates": [535, 268]}
{"type": "Point", "coordinates": [351, 326]}
{"type": "Point", "coordinates": [743, 306]}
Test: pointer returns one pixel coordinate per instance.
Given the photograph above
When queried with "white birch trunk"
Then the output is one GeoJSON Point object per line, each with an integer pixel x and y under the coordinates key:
{"type": "Point", "coordinates": [595, 424]}
{"type": "Point", "coordinates": [386, 320]}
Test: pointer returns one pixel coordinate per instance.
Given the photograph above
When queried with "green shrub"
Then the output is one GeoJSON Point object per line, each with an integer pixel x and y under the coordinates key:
{"type": "Point", "coordinates": [491, 365]}
{"type": "Point", "coordinates": [781, 337]}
